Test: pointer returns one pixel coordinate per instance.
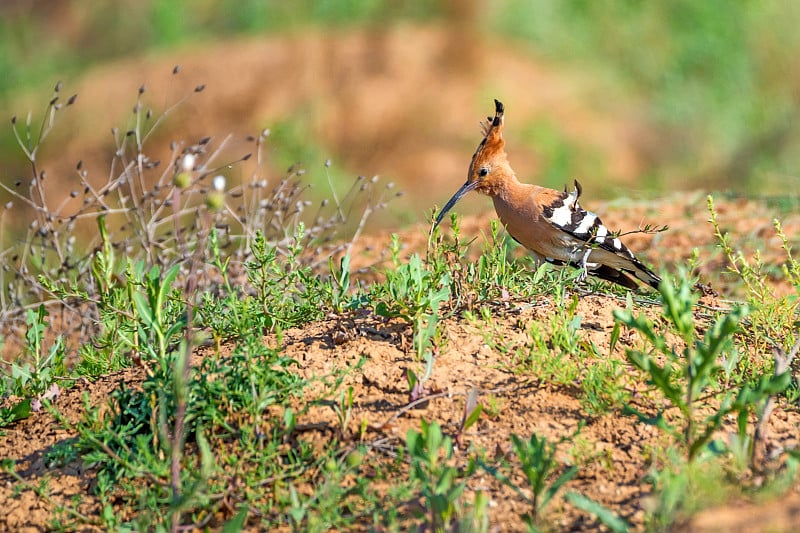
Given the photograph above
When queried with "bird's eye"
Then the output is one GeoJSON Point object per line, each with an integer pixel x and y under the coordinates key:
{"type": "Point", "coordinates": [483, 172]}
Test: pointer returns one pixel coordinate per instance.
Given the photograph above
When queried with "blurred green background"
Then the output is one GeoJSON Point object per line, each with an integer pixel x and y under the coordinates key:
{"type": "Point", "coordinates": [633, 98]}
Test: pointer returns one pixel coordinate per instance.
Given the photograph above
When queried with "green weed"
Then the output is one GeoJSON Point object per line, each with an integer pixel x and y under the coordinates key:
{"type": "Point", "coordinates": [772, 315]}
{"type": "Point", "coordinates": [441, 485]}
{"type": "Point", "coordinates": [537, 461]}
{"type": "Point", "coordinates": [682, 488]}
{"type": "Point", "coordinates": [688, 372]}
{"type": "Point", "coordinates": [39, 366]}
{"type": "Point", "coordinates": [288, 293]}
{"type": "Point", "coordinates": [415, 293]}
{"type": "Point", "coordinates": [603, 513]}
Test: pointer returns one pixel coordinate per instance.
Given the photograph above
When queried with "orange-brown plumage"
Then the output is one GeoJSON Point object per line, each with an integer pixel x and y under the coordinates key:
{"type": "Point", "coordinates": [549, 223]}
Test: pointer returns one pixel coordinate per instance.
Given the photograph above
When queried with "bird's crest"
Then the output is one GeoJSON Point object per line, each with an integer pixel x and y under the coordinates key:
{"type": "Point", "coordinates": [488, 166]}
{"type": "Point", "coordinates": [492, 129]}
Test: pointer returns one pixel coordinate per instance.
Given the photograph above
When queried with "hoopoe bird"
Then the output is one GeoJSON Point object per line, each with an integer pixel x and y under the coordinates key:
{"type": "Point", "coordinates": [550, 224]}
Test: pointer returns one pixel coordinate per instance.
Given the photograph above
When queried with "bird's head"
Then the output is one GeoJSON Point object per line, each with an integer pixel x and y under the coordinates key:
{"type": "Point", "coordinates": [489, 165]}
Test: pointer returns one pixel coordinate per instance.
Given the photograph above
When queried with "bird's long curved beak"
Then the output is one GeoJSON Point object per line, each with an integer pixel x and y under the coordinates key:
{"type": "Point", "coordinates": [467, 187]}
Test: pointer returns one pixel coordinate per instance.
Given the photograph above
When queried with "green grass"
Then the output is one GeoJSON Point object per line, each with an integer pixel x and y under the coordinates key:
{"type": "Point", "coordinates": [221, 440]}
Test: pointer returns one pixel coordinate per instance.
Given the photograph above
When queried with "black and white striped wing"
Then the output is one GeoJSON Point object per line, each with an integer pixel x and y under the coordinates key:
{"type": "Point", "coordinates": [566, 214]}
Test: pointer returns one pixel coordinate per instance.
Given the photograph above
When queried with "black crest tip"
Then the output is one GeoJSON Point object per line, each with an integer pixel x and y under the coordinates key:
{"type": "Point", "coordinates": [498, 112]}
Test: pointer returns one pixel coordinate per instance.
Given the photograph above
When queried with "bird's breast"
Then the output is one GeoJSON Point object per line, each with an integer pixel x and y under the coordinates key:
{"type": "Point", "coordinates": [527, 226]}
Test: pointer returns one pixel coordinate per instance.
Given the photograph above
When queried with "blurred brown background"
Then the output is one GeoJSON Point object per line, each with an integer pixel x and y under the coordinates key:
{"type": "Point", "coordinates": [634, 99]}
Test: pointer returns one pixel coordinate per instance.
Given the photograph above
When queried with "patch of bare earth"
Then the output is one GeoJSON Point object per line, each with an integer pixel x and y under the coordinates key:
{"type": "Point", "coordinates": [28, 442]}
{"type": "Point", "coordinates": [614, 474]}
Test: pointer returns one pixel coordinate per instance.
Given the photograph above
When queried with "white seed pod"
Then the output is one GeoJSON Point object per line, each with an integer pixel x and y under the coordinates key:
{"type": "Point", "coordinates": [188, 161]}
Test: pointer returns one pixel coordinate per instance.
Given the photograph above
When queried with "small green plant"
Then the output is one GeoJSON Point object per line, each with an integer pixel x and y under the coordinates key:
{"type": "Point", "coordinates": [344, 409]}
{"type": "Point", "coordinates": [288, 292]}
{"type": "Point", "coordinates": [118, 335]}
{"type": "Point", "coordinates": [159, 321]}
{"type": "Point", "coordinates": [493, 405]}
{"type": "Point", "coordinates": [472, 412]}
{"type": "Point", "coordinates": [475, 517]}
{"type": "Point", "coordinates": [553, 350]}
{"type": "Point", "coordinates": [411, 291]}
{"type": "Point", "coordinates": [681, 488]}
{"type": "Point", "coordinates": [39, 366]}
{"type": "Point", "coordinates": [689, 370]}
{"type": "Point", "coordinates": [339, 285]}
{"type": "Point", "coordinates": [771, 315]}
{"type": "Point", "coordinates": [537, 460]}
{"type": "Point", "coordinates": [783, 365]}
{"type": "Point", "coordinates": [416, 293]}
{"type": "Point", "coordinates": [337, 496]}
{"type": "Point", "coordinates": [556, 351]}
{"type": "Point", "coordinates": [416, 383]}
{"type": "Point", "coordinates": [430, 452]}
{"type": "Point", "coordinates": [19, 411]}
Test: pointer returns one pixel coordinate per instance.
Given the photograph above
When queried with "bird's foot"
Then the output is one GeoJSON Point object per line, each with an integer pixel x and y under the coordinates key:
{"type": "Point", "coordinates": [584, 266]}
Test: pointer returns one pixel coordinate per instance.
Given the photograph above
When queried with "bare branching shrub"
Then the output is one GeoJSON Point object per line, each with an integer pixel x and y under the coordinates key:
{"type": "Point", "coordinates": [154, 211]}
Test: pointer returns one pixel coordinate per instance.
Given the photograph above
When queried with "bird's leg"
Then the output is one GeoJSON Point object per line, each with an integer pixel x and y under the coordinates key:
{"type": "Point", "coordinates": [584, 266]}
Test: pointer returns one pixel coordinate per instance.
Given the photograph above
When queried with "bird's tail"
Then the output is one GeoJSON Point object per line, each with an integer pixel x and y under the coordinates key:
{"type": "Point", "coordinates": [645, 275]}
{"type": "Point", "coordinates": [625, 277]}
